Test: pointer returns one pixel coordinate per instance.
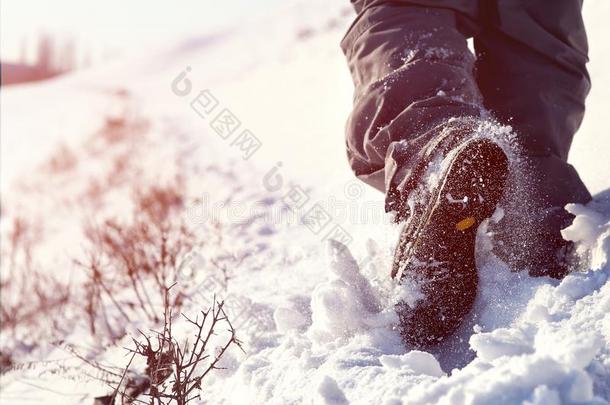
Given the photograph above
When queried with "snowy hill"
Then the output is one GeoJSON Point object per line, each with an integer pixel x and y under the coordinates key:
{"type": "Point", "coordinates": [203, 160]}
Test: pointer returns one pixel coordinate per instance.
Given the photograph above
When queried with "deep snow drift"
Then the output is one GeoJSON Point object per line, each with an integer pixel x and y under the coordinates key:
{"type": "Point", "coordinates": [315, 317]}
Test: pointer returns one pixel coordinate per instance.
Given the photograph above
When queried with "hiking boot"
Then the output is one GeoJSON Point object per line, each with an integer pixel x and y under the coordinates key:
{"type": "Point", "coordinates": [435, 256]}
{"type": "Point", "coordinates": [533, 242]}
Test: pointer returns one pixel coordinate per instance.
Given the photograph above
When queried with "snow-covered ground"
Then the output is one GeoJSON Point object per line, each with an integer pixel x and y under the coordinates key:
{"type": "Point", "coordinates": [313, 316]}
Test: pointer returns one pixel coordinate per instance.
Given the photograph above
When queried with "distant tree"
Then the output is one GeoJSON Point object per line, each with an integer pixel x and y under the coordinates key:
{"type": "Point", "coordinates": [67, 60]}
{"type": "Point", "coordinates": [86, 62]}
{"type": "Point", "coordinates": [45, 56]}
{"type": "Point", "coordinates": [23, 51]}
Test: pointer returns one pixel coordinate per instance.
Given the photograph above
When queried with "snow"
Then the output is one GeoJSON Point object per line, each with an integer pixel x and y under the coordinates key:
{"type": "Point", "coordinates": [415, 361]}
{"type": "Point", "coordinates": [330, 392]}
{"type": "Point", "coordinates": [324, 330]}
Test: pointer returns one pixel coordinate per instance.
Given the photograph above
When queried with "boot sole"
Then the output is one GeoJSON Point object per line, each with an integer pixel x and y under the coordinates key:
{"type": "Point", "coordinates": [436, 250]}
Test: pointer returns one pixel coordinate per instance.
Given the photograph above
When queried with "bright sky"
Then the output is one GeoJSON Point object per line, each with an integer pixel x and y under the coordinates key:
{"type": "Point", "coordinates": [115, 26]}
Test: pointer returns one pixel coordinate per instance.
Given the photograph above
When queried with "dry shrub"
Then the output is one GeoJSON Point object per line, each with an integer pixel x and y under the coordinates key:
{"type": "Point", "coordinates": [27, 293]}
{"type": "Point", "coordinates": [130, 263]}
{"type": "Point", "coordinates": [62, 160]}
{"type": "Point", "coordinates": [29, 297]}
{"type": "Point", "coordinates": [22, 238]}
{"type": "Point", "coordinates": [175, 371]}
{"type": "Point", "coordinates": [122, 126]}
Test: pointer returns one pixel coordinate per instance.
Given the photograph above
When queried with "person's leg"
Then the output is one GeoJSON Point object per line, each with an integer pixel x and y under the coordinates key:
{"type": "Point", "coordinates": [412, 72]}
{"type": "Point", "coordinates": [416, 132]}
{"type": "Point", "coordinates": [531, 71]}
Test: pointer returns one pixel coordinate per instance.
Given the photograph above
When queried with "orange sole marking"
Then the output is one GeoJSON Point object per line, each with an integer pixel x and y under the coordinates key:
{"type": "Point", "coordinates": [465, 223]}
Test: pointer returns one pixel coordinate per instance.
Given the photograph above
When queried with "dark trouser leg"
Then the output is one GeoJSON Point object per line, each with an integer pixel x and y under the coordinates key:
{"type": "Point", "coordinates": [531, 71]}
{"type": "Point", "coordinates": [412, 72]}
